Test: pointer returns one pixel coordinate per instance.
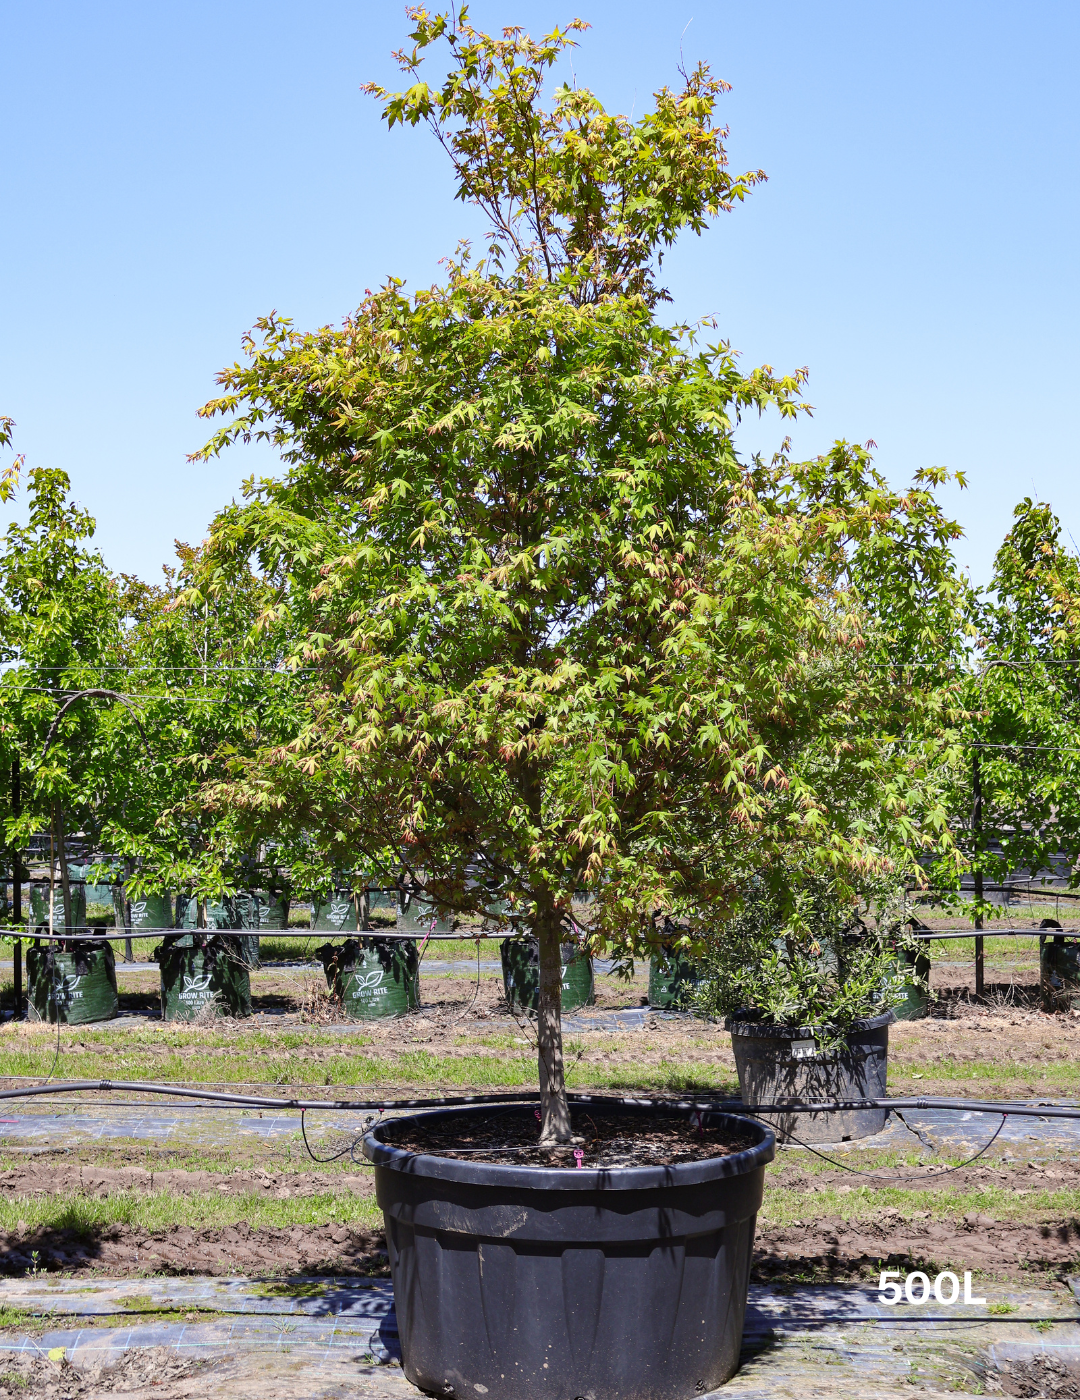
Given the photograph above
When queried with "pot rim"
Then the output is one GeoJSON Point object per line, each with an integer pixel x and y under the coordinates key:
{"type": "Point", "coordinates": [573, 1178]}
{"type": "Point", "coordinates": [747, 1022]}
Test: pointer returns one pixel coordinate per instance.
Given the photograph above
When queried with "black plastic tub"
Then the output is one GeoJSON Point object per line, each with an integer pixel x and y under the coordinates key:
{"type": "Point", "coordinates": [1059, 971]}
{"type": "Point", "coordinates": [529, 1283]}
{"type": "Point", "coordinates": [778, 1064]}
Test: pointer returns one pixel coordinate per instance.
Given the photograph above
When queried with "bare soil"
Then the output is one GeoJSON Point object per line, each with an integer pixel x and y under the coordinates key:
{"type": "Point", "coordinates": [603, 1140]}
{"type": "Point", "coordinates": [46, 1179]}
{"type": "Point", "coordinates": [123, 1251]}
{"type": "Point", "coordinates": [144, 1369]}
{"type": "Point", "coordinates": [834, 1249]}
{"type": "Point", "coordinates": [829, 1248]}
{"type": "Point", "coordinates": [1044, 1375]}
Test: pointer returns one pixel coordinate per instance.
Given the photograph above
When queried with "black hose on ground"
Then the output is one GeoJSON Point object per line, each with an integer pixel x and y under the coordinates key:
{"type": "Point", "coordinates": [703, 1101]}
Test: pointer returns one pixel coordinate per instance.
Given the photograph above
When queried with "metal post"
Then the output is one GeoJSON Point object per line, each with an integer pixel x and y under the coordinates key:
{"type": "Point", "coordinates": [976, 830]}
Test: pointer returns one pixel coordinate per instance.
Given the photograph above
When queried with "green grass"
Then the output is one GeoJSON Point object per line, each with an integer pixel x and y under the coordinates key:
{"type": "Point", "coordinates": [1054, 1073]}
{"type": "Point", "coordinates": [87, 1217]}
{"type": "Point", "coordinates": [282, 949]}
{"type": "Point", "coordinates": [786, 1205]}
{"type": "Point", "coordinates": [167, 1054]}
{"type": "Point", "coordinates": [999, 950]}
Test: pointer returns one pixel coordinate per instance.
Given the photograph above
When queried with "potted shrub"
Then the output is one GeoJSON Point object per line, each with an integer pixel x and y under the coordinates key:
{"type": "Point", "coordinates": [808, 978]}
{"type": "Point", "coordinates": [557, 637]}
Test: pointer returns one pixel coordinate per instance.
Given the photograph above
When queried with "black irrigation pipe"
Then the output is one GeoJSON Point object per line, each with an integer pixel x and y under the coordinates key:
{"type": "Point", "coordinates": [81, 935]}
{"type": "Point", "coordinates": [999, 933]}
{"type": "Point", "coordinates": [706, 1101]}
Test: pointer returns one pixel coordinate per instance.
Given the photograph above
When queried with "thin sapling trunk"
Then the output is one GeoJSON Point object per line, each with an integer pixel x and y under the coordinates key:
{"type": "Point", "coordinates": [555, 1114]}
{"type": "Point", "coordinates": [65, 883]}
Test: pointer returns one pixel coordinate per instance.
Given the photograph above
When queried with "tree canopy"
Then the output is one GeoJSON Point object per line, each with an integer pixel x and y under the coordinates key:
{"type": "Point", "coordinates": [560, 636]}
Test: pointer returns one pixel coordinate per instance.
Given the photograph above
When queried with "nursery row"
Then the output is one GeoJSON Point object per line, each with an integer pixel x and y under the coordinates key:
{"type": "Point", "coordinates": [376, 974]}
{"type": "Point", "coordinates": [205, 973]}
{"type": "Point", "coordinates": [340, 911]}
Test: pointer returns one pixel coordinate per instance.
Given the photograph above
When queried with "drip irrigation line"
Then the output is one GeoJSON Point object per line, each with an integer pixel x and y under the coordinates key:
{"type": "Point", "coordinates": [929, 1174]}
{"type": "Point", "coordinates": [348, 1150]}
{"type": "Point", "coordinates": [270, 935]}
{"type": "Point", "coordinates": [1032, 932]}
{"type": "Point", "coordinates": [705, 1101]}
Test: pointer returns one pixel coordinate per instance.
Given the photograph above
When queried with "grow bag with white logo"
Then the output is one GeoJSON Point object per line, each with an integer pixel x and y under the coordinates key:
{"type": "Point", "coordinates": [521, 974]}
{"type": "Point", "coordinates": [203, 972]}
{"type": "Point", "coordinates": [39, 905]}
{"type": "Point", "coordinates": [72, 983]}
{"type": "Point", "coordinates": [373, 977]}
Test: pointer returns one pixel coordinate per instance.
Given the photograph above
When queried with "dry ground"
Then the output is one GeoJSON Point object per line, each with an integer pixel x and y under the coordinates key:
{"type": "Point", "coordinates": [119, 1207]}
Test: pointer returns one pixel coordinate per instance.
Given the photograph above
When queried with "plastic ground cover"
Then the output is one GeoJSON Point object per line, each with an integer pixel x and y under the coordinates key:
{"type": "Point", "coordinates": [935, 1129]}
{"type": "Point", "coordinates": [824, 1341]}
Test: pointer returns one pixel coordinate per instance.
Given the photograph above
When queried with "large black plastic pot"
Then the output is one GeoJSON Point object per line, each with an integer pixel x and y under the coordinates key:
{"type": "Point", "coordinates": [779, 1064]}
{"type": "Point", "coordinates": [530, 1283]}
{"type": "Point", "coordinates": [1059, 971]}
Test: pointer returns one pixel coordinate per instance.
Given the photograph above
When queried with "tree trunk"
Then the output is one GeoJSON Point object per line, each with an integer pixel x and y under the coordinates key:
{"type": "Point", "coordinates": [129, 870]}
{"type": "Point", "coordinates": [555, 1114]}
{"type": "Point", "coordinates": [976, 842]}
{"type": "Point", "coordinates": [16, 888]}
{"type": "Point", "coordinates": [16, 851]}
{"type": "Point", "coordinates": [61, 851]}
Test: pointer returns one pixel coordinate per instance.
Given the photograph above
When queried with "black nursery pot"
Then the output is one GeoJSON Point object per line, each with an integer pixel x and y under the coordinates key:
{"type": "Point", "coordinates": [529, 1283]}
{"type": "Point", "coordinates": [778, 1064]}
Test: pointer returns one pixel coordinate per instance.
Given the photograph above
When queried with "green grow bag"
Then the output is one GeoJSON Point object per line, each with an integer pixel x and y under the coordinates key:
{"type": "Point", "coordinates": [95, 893]}
{"type": "Point", "coordinates": [39, 905]}
{"type": "Point", "coordinates": [273, 910]}
{"type": "Point", "coordinates": [200, 971]}
{"type": "Point", "coordinates": [417, 915]}
{"type": "Point", "coordinates": [1059, 972]}
{"type": "Point", "coordinates": [374, 977]}
{"type": "Point", "coordinates": [72, 984]}
{"type": "Point", "coordinates": [338, 914]}
{"type": "Point", "coordinates": [152, 912]}
{"type": "Point", "coordinates": [672, 976]}
{"type": "Point", "coordinates": [916, 966]}
{"type": "Point", "coordinates": [521, 974]}
{"type": "Point", "coordinates": [220, 913]}
{"type": "Point", "coordinates": [246, 911]}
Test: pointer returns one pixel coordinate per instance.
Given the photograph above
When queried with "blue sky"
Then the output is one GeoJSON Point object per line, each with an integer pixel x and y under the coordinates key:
{"type": "Point", "coordinates": [172, 171]}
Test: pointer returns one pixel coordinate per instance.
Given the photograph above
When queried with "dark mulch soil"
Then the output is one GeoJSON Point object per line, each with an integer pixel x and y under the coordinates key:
{"type": "Point", "coordinates": [124, 1250]}
{"type": "Point", "coordinates": [608, 1140]}
{"type": "Point", "coordinates": [827, 1250]}
{"type": "Point", "coordinates": [836, 1250]}
{"type": "Point", "coordinates": [1048, 1376]}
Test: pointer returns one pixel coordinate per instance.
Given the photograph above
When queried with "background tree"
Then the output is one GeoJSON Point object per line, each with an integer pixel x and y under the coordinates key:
{"type": "Point", "coordinates": [60, 627]}
{"type": "Point", "coordinates": [205, 695]}
{"type": "Point", "coordinates": [1017, 779]}
{"type": "Point", "coordinates": [559, 635]}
